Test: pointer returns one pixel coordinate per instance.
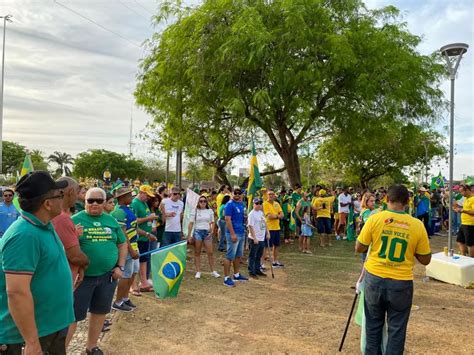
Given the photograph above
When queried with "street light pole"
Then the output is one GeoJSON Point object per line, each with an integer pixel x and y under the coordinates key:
{"type": "Point", "coordinates": [6, 19]}
{"type": "Point", "coordinates": [452, 54]}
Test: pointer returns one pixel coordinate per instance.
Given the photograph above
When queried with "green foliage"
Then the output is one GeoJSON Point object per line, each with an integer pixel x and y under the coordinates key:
{"type": "Point", "coordinates": [365, 150]}
{"type": "Point", "coordinates": [38, 160]}
{"type": "Point", "coordinates": [63, 161]}
{"type": "Point", "coordinates": [13, 155]}
{"type": "Point", "coordinates": [294, 69]}
{"type": "Point", "coordinates": [93, 163]}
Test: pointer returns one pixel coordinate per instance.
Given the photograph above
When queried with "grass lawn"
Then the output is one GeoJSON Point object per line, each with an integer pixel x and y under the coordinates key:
{"type": "Point", "coordinates": [303, 310]}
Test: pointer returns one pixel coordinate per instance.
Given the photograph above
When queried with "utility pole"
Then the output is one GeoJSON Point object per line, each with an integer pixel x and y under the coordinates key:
{"type": "Point", "coordinates": [6, 19]}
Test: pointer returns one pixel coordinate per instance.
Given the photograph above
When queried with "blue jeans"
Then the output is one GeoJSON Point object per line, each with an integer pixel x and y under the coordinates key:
{"type": "Point", "coordinates": [171, 238]}
{"type": "Point", "coordinates": [390, 298]}
{"type": "Point", "coordinates": [255, 254]}
{"type": "Point", "coordinates": [222, 228]}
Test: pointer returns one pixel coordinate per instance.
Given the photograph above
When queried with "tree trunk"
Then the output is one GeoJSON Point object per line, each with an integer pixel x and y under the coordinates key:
{"type": "Point", "coordinates": [292, 164]}
{"type": "Point", "coordinates": [221, 176]}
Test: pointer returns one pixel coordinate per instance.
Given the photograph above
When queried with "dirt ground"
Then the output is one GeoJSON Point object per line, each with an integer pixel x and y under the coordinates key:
{"type": "Point", "coordinates": [303, 310]}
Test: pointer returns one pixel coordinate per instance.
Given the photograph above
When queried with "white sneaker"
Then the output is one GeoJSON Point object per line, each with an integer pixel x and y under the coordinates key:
{"type": "Point", "coordinates": [215, 274]}
{"type": "Point", "coordinates": [198, 275]}
{"type": "Point", "coordinates": [344, 238]}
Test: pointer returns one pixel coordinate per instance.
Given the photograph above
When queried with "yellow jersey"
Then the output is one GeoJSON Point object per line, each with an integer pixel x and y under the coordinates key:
{"type": "Point", "coordinates": [272, 208]}
{"type": "Point", "coordinates": [468, 205]}
{"type": "Point", "coordinates": [326, 203]}
{"type": "Point", "coordinates": [395, 238]}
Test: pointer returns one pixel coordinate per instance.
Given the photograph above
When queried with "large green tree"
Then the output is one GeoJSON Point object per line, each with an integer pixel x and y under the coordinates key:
{"type": "Point", "coordinates": [13, 156]}
{"type": "Point", "coordinates": [93, 163]}
{"type": "Point", "coordinates": [295, 69]}
{"type": "Point", "coordinates": [364, 150]}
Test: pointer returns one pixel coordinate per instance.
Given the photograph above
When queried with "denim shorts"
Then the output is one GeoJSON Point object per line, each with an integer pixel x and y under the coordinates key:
{"type": "Point", "coordinates": [94, 294]}
{"type": "Point", "coordinates": [132, 266]}
{"type": "Point", "coordinates": [234, 250]}
{"type": "Point", "coordinates": [202, 235]}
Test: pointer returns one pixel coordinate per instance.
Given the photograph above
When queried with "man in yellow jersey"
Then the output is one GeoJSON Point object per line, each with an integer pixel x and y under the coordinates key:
{"type": "Point", "coordinates": [273, 214]}
{"type": "Point", "coordinates": [322, 209]}
{"type": "Point", "coordinates": [466, 231]}
{"type": "Point", "coordinates": [395, 239]}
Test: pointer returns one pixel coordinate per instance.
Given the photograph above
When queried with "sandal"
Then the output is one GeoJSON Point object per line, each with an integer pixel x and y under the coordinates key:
{"type": "Point", "coordinates": [146, 289]}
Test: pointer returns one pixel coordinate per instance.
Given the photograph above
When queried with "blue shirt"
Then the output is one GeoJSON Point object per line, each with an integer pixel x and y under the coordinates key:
{"type": "Point", "coordinates": [423, 206]}
{"type": "Point", "coordinates": [235, 210]}
{"type": "Point", "coordinates": [8, 215]}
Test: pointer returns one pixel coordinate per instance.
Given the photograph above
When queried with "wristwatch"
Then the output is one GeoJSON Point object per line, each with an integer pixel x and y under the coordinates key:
{"type": "Point", "coordinates": [122, 268]}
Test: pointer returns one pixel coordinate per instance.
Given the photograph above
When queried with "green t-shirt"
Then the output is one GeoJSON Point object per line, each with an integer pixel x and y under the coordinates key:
{"type": "Point", "coordinates": [142, 210]}
{"type": "Point", "coordinates": [33, 248]}
{"type": "Point", "coordinates": [295, 197]}
{"type": "Point", "coordinates": [99, 241]}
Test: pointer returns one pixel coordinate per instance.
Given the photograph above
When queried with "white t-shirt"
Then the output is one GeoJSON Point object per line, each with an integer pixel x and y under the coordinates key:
{"type": "Point", "coordinates": [357, 206]}
{"type": "Point", "coordinates": [173, 224]}
{"type": "Point", "coordinates": [344, 199]}
{"type": "Point", "coordinates": [201, 218]}
{"type": "Point", "coordinates": [256, 219]}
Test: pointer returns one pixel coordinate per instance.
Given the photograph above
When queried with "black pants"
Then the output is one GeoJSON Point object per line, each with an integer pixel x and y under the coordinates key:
{"type": "Point", "coordinates": [53, 344]}
{"type": "Point", "coordinates": [285, 224]}
{"type": "Point", "coordinates": [425, 218]}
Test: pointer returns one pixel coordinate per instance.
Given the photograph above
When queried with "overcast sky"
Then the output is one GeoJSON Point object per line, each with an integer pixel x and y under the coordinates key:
{"type": "Point", "coordinates": [69, 81]}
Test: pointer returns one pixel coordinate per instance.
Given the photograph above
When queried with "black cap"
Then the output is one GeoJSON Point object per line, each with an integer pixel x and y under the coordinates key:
{"type": "Point", "coordinates": [37, 183]}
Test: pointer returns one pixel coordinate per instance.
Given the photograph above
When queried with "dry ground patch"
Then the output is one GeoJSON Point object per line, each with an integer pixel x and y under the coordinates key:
{"type": "Point", "coordinates": [303, 310]}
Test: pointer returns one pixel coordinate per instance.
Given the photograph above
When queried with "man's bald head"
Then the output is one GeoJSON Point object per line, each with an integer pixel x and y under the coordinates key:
{"type": "Point", "coordinates": [70, 192]}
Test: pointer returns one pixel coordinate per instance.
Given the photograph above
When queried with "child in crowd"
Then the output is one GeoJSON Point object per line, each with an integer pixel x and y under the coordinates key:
{"type": "Point", "coordinates": [306, 230]}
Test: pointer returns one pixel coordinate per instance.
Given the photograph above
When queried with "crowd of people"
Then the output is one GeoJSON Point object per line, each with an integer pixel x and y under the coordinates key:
{"type": "Point", "coordinates": [92, 244]}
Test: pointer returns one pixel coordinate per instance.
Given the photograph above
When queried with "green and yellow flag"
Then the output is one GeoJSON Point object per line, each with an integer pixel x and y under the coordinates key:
{"type": "Point", "coordinates": [27, 166]}
{"type": "Point", "coordinates": [167, 268]}
{"type": "Point", "coordinates": [25, 169]}
{"type": "Point", "coordinates": [437, 181]}
{"type": "Point", "coordinates": [255, 181]}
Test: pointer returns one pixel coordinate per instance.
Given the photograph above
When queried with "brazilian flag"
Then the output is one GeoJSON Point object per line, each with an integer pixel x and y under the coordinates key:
{"type": "Point", "coordinates": [26, 168]}
{"type": "Point", "coordinates": [350, 224]}
{"type": "Point", "coordinates": [167, 268]}
{"type": "Point", "coordinates": [437, 182]}
{"type": "Point", "coordinates": [255, 181]}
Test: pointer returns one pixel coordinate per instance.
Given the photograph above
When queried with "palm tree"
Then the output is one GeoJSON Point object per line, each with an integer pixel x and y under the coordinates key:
{"type": "Point", "coordinates": [62, 160]}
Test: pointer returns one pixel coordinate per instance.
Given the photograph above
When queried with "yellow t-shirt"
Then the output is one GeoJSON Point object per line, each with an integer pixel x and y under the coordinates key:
{"type": "Point", "coordinates": [395, 238]}
{"type": "Point", "coordinates": [219, 198]}
{"type": "Point", "coordinates": [272, 208]}
{"type": "Point", "coordinates": [468, 205]}
{"type": "Point", "coordinates": [318, 203]}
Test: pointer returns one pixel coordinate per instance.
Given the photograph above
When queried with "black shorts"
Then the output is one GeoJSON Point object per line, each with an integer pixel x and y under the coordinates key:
{"type": "Point", "coordinates": [94, 294]}
{"type": "Point", "coordinates": [466, 235]}
{"type": "Point", "coordinates": [324, 225]}
{"type": "Point", "coordinates": [143, 247]}
{"type": "Point", "coordinates": [274, 238]}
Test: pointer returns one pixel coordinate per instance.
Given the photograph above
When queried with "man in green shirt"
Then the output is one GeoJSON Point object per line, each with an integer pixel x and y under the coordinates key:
{"type": "Point", "coordinates": [145, 219]}
{"type": "Point", "coordinates": [104, 243]}
{"type": "Point", "coordinates": [34, 269]}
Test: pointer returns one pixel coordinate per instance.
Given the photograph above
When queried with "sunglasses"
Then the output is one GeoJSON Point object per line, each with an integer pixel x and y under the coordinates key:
{"type": "Point", "coordinates": [176, 193]}
{"type": "Point", "coordinates": [257, 203]}
{"type": "Point", "coordinates": [238, 193]}
{"type": "Point", "coordinates": [202, 201]}
{"type": "Point", "coordinates": [91, 201]}
{"type": "Point", "coordinates": [8, 195]}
